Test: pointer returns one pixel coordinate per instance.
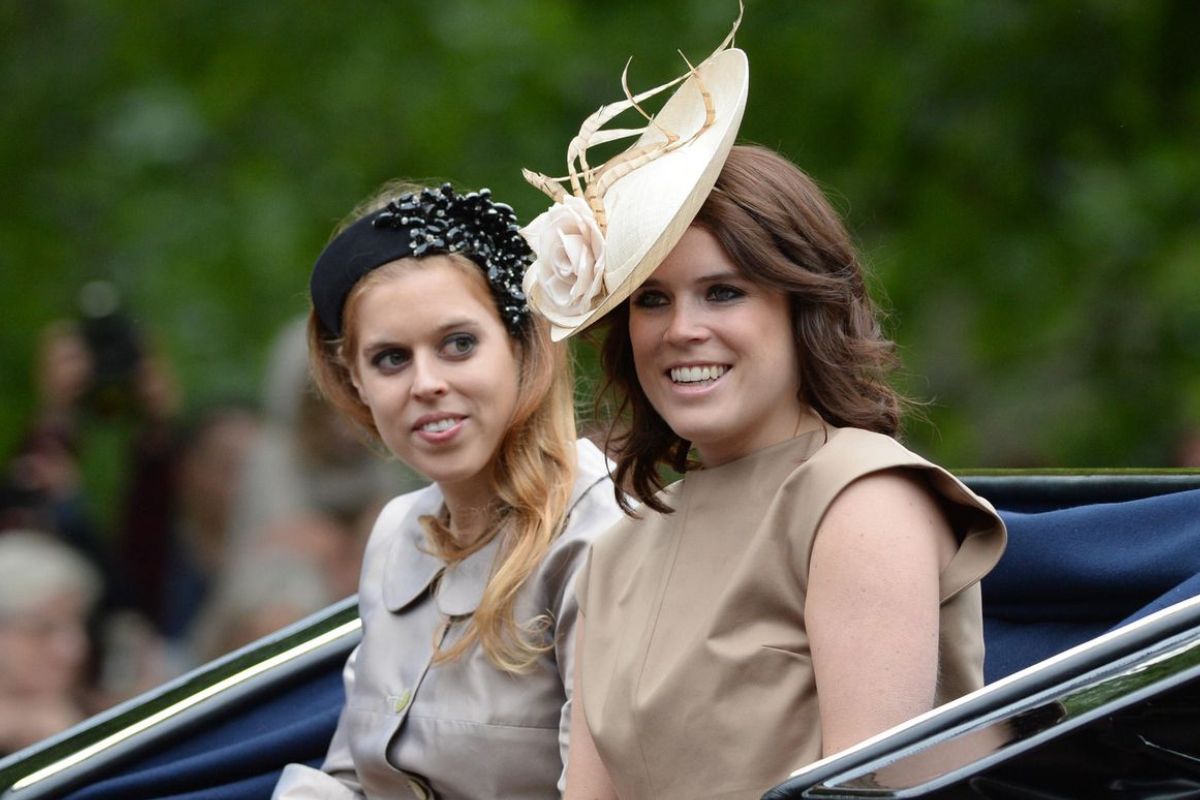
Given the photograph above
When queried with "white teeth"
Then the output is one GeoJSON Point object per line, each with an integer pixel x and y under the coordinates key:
{"type": "Point", "coordinates": [439, 426]}
{"type": "Point", "coordinates": [697, 374]}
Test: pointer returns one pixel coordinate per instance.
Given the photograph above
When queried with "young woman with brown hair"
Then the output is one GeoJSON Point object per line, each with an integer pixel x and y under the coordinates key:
{"type": "Point", "coordinates": [808, 582]}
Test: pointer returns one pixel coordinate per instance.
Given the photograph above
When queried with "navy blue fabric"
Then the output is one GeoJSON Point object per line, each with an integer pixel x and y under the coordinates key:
{"type": "Point", "coordinates": [240, 756]}
{"type": "Point", "coordinates": [1068, 575]}
{"type": "Point", "coordinates": [1072, 574]}
{"type": "Point", "coordinates": [1188, 589]}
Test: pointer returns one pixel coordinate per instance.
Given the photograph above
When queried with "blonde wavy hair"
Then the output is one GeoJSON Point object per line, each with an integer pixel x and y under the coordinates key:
{"type": "Point", "coordinates": [533, 471]}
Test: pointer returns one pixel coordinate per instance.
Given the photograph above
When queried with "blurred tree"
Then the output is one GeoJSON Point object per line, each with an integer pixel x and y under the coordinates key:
{"type": "Point", "coordinates": [1022, 176]}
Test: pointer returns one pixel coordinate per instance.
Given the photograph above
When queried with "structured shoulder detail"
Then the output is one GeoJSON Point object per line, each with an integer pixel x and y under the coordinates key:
{"type": "Point", "coordinates": [852, 453]}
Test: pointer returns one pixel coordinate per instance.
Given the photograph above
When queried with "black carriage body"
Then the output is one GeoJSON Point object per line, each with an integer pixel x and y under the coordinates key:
{"type": "Point", "coordinates": [1094, 689]}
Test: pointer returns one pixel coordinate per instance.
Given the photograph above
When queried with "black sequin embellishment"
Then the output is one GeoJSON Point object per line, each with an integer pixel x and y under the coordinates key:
{"type": "Point", "coordinates": [441, 221]}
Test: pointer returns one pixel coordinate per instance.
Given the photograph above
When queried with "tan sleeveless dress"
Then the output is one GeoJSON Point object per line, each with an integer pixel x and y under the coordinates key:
{"type": "Point", "coordinates": [697, 676]}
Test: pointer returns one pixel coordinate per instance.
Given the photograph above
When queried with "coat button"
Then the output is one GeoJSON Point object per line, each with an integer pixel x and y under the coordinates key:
{"type": "Point", "coordinates": [401, 701]}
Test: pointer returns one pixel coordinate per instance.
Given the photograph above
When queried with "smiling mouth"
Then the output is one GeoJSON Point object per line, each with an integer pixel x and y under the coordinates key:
{"type": "Point", "coordinates": [440, 425]}
{"type": "Point", "coordinates": [698, 375]}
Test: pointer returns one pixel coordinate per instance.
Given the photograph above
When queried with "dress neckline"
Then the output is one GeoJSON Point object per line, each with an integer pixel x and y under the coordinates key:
{"type": "Point", "coordinates": [752, 458]}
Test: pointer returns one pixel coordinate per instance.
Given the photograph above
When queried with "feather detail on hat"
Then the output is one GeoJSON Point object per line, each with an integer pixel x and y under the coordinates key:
{"type": "Point", "coordinates": [619, 219]}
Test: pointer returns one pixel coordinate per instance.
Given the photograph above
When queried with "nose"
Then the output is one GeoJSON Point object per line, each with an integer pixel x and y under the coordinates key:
{"type": "Point", "coordinates": [428, 381]}
{"type": "Point", "coordinates": [685, 325]}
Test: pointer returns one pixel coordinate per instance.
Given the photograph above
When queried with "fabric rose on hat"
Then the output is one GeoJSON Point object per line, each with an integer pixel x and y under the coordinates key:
{"type": "Point", "coordinates": [569, 271]}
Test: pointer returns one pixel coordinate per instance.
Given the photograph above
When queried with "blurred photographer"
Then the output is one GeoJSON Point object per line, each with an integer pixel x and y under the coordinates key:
{"type": "Point", "coordinates": [93, 369]}
{"type": "Point", "coordinates": [42, 483]}
{"type": "Point", "coordinates": [98, 374]}
{"type": "Point", "coordinates": [116, 352]}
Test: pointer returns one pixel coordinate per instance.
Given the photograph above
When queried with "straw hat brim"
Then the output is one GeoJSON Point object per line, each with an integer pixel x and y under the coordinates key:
{"type": "Point", "coordinates": [649, 209]}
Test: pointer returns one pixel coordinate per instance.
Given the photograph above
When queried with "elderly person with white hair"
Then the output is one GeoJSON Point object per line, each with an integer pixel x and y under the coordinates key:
{"type": "Point", "coordinates": [47, 591]}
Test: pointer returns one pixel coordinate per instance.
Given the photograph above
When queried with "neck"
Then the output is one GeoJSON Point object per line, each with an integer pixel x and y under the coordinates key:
{"type": "Point", "coordinates": [719, 453]}
{"type": "Point", "coordinates": [468, 506]}
{"type": "Point", "coordinates": [808, 420]}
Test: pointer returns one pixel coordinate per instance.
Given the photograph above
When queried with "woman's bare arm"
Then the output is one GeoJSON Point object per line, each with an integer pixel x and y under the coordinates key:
{"type": "Point", "coordinates": [872, 606]}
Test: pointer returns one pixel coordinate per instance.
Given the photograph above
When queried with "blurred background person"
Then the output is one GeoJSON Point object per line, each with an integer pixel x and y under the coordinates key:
{"type": "Point", "coordinates": [98, 378]}
{"type": "Point", "coordinates": [261, 595]}
{"type": "Point", "coordinates": [42, 482]}
{"type": "Point", "coordinates": [152, 522]}
{"type": "Point", "coordinates": [47, 591]}
{"type": "Point", "coordinates": [172, 562]}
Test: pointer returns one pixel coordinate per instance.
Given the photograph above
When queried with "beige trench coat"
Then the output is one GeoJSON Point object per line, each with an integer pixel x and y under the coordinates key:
{"type": "Point", "coordinates": [461, 729]}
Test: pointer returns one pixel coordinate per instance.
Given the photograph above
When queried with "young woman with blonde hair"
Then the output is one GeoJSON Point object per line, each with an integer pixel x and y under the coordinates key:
{"type": "Point", "coordinates": [420, 333]}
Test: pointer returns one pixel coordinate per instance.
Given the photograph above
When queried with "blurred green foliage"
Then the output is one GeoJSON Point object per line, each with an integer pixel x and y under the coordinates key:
{"type": "Point", "coordinates": [1024, 178]}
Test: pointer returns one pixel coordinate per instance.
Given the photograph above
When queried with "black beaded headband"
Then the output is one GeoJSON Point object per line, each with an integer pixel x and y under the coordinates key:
{"type": "Point", "coordinates": [434, 221]}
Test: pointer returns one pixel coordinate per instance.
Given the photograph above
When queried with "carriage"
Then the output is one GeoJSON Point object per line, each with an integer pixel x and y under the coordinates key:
{"type": "Point", "coordinates": [1092, 627]}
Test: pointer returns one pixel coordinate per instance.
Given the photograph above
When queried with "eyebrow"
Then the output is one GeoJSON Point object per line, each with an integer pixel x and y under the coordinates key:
{"type": "Point", "coordinates": [464, 322]}
{"type": "Point", "coordinates": [712, 277]}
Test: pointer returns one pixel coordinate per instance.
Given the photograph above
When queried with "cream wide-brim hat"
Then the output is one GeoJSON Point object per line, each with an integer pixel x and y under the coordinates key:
{"type": "Point", "coordinates": [649, 209]}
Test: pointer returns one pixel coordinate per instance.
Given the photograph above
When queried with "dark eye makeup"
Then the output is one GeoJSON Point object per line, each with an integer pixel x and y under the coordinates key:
{"type": "Point", "coordinates": [723, 292]}
{"type": "Point", "coordinates": [649, 298]}
{"type": "Point", "coordinates": [459, 345]}
{"type": "Point", "coordinates": [390, 359]}
{"type": "Point", "coordinates": [717, 292]}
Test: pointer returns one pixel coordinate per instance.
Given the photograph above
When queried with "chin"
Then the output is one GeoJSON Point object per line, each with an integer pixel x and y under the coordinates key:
{"type": "Point", "coordinates": [451, 473]}
{"type": "Point", "coordinates": [693, 423]}
{"type": "Point", "coordinates": [444, 474]}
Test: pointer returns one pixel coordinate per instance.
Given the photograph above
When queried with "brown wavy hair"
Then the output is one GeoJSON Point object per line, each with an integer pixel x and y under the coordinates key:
{"type": "Point", "coordinates": [780, 231]}
{"type": "Point", "coordinates": [533, 473]}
